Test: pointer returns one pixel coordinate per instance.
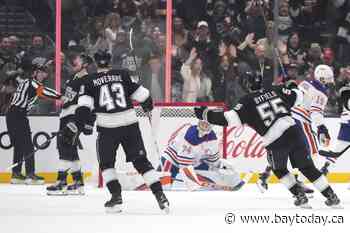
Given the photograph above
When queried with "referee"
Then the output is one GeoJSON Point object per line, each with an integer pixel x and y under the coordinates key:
{"type": "Point", "coordinates": [17, 121]}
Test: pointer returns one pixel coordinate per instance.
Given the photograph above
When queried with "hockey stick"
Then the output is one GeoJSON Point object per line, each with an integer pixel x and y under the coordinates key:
{"type": "Point", "coordinates": [148, 114]}
{"type": "Point", "coordinates": [31, 154]}
{"type": "Point", "coordinates": [132, 51]}
{"type": "Point", "coordinates": [332, 154]}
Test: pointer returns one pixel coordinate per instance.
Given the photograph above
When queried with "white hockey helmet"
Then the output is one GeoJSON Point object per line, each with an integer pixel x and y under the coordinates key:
{"type": "Point", "coordinates": [203, 127]}
{"type": "Point", "coordinates": [324, 74]}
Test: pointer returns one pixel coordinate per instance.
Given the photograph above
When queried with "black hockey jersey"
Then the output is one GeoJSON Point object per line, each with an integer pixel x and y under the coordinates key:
{"type": "Point", "coordinates": [266, 111]}
{"type": "Point", "coordinates": [71, 95]}
{"type": "Point", "coordinates": [110, 94]}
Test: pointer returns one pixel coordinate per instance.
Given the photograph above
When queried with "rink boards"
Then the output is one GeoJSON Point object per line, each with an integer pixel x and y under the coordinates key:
{"type": "Point", "coordinates": [243, 147]}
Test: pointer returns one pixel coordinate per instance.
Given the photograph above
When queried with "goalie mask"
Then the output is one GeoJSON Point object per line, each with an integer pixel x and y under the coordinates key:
{"type": "Point", "coordinates": [203, 127]}
{"type": "Point", "coordinates": [324, 74]}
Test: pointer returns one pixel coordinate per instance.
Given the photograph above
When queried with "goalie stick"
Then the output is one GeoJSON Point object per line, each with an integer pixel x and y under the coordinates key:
{"type": "Point", "coordinates": [31, 154]}
{"type": "Point", "coordinates": [332, 154]}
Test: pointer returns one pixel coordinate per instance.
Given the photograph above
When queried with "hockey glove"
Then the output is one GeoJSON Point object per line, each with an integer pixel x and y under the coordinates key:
{"type": "Point", "coordinates": [323, 135]}
{"type": "Point", "coordinates": [147, 105]}
{"type": "Point", "coordinates": [70, 134]}
{"type": "Point", "coordinates": [291, 84]}
{"type": "Point", "coordinates": [89, 126]}
{"type": "Point", "coordinates": [199, 112]}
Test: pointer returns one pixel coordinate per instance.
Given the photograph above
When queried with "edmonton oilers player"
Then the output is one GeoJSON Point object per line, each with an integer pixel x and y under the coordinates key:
{"type": "Point", "coordinates": [343, 142]}
{"type": "Point", "coordinates": [196, 147]}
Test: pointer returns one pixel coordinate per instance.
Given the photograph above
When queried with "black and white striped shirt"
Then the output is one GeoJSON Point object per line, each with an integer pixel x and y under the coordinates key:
{"type": "Point", "coordinates": [28, 92]}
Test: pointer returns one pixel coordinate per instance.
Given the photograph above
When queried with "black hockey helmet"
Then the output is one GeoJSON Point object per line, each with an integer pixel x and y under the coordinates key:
{"type": "Point", "coordinates": [252, 81]}
{"type": "Point", "coordinates": [102, 58]}
{"type": "Point", "coordinates": [86, 59]}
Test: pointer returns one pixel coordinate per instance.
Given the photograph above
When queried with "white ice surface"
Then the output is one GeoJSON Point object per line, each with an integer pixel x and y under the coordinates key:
{"type": "Point", "coordinates": [27, 209]}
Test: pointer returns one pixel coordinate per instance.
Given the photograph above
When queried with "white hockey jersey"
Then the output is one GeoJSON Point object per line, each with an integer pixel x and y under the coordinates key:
{"type": "Point", "coordinates": [345, 96]}
{"type": "Point", "coordinates": [314, 102]}
{"type": "Point", "coordinates": [187, 148]}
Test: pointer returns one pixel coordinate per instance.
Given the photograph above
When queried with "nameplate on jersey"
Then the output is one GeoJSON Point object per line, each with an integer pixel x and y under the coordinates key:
{"type": "Point", "coordinates": [107, 79]}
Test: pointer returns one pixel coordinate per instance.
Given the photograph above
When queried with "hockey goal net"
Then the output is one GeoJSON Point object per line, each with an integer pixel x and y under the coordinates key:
{"type": "Point", "coordinates": [166, 121]}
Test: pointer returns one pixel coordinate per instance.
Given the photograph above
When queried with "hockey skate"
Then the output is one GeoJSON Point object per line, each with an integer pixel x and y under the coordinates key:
{"type": "Point", "coordinates": [262, 182]}
{"type": "Point", "coordinates": [302, 201]}
{"type": "Point", "coordinates": [115, 204]}
{"type": "Point", "coordinates": [34, 180]}
{"type": "Point", "coordinates": [77, 188]}
{"type": "Point", "coordinates": [333, 201]}
{"type": "Point", "coordinates": [162, 201]}
{"type": "Point", "coordinates": [17, 178]}
{"type": "Point", "coordinates": [58, 189]}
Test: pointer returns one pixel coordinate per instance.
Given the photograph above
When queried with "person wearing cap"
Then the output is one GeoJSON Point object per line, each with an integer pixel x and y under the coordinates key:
{"type": "Point", "coordinates": [17, 121]}
{"type": "Point", "coordinates": [314, 55]}
{"type": "Point", "coordinates": [204, 44]}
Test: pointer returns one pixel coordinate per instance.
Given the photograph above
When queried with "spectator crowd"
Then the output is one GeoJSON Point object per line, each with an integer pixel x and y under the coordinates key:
{"type": "Point", "coordinates": [214, 43]}
{"type": "Point", "coordinates": [19, 47]}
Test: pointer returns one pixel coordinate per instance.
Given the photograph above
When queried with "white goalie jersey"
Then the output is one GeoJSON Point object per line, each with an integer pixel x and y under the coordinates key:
{"type": "Point", "coordinates": [314, 102]}
{"type": "Point", "coordinates": [188, 148]}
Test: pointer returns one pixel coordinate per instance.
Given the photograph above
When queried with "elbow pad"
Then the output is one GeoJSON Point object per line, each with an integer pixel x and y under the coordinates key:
{"type": "Point", "coordinates": [147, 105]}
{"type": "Point", "coordinates": [213, 117]}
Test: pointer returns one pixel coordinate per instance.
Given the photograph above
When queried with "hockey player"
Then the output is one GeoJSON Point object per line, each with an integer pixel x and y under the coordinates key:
{"type": "Point", "coordinates": [110, 94]}
{"type": "Point", "coordinates": [68, 154]}
{"type": "Point", "coordinates": [196, 146]}
{"type": "Point", "coordinates": [343, 142]}
{"type": "Point", "coordinates": [17, 121]}
{"type": "Point", "coordinates": [309, 113]}
{"type": "Point", "coordinates": [268, 113]}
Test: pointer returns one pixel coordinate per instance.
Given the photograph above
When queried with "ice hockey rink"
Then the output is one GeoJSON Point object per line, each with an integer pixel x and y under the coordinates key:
{"type": "Point", "coordinates": [27, 209]}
